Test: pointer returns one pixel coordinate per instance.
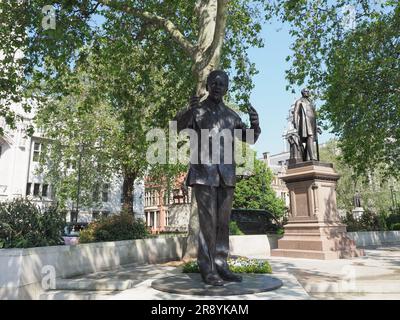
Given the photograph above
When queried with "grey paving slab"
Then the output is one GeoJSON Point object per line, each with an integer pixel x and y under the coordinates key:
{"type": "Point", "coordinates": [375, 276]}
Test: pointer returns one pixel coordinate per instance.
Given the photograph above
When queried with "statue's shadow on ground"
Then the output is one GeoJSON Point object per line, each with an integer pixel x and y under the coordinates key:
{"type": "Point", "coordinates": [192, 284]}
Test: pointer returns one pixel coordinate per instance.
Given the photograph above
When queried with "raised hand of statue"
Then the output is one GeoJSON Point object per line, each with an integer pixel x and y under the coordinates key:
{"type": "Point", "coordinates": [253, 115]}
{"type": "Point", "coordinates": [194, 101]}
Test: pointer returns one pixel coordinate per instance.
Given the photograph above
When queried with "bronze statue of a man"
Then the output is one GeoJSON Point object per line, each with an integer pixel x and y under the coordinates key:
{"type": "Point", "coordinates": [305, 122]}
{"type": "Point", "coordinates": [357, 199]}
{"type": "Point", "coordinates": [213, 183]}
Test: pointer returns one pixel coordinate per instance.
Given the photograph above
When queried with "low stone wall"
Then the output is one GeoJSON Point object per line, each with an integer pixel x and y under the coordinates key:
{"type": "Point", "coordinates": [22, 270]}
{"type": "Point", "coordinates": [253, 245]}
{"type": "Point", "coordinates": [375, 238]}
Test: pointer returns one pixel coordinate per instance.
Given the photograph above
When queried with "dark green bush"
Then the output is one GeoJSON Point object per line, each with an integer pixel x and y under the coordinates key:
{"type": "Point", "coordinates": [114, 228]}
{"type": "Point", "coordinates": [234, 229]}
{"type": "Point", "coordinates": [395, 227]}
{"type": "Point", "coordinates": [392, 220]}
{"type": "Point", "coordinates": [238, 265]}
{"type": "Point", "coordinates": [24, 225]}
{"type": "Point", "coordinates": [369, 221]}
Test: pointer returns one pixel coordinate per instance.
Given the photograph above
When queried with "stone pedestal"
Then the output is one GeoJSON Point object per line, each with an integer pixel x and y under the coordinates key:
{"type": "Point", "coordinates": [314, 229]}
{"type": "Point", "coordinates": [357, 213]}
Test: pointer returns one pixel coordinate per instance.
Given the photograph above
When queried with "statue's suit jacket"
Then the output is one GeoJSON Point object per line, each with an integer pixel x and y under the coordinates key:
{"type": "Point", "coordinates": [304, 118]}
{"type": "Point", "coordinates": [216, 118]}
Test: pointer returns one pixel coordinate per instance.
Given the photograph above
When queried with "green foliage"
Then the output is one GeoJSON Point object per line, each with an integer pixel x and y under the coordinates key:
{"type": "Point", "coordinates": [374, 189]}
{"type": "Point", "coordinates": [255, 192]}
{"type": "Point", "coordinates": [23, 225]}
{"type": "Point", "coordinates": [75, 134]}
{"type": "Point", "coordinates": [280, 232]}
{"type": "Point", "coordinates": [234, 229]}
{"type": "Point", "coordinates": [238, 265]}
{"type": "Point", "coordinates": [114, 228]}
{"type": "Point", "coordinates": [392, 221]}
{"type": "Point", "coordinates": [191, 267]}
{"type": "Point", "coordinates": [347, 52]}
{"type": "Point", "coordinates": [395, 227]}
{"type": "Point", "coordinates": [362, 95]}
{"type": "Point", "coordinates": [369, 221]}
{"type": "Point", "coordinates": [96, 91]}
{"type": "Point", "coordinates": [115, 29]}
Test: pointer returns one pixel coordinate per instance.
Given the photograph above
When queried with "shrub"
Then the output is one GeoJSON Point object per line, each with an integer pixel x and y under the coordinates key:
{"type": "Point", "coordinates": [24, 225]}
{"type": "Point", "coordinates": [87, 235]}
{"type": "Point", "coordinates": [392, 220]}
{"type": "Point", "coordinates": [369, 221]}
{"type": "Point", "coordinates": [114, 228]}
{"type": "Point", "coordinates": [238, 265]}
{"type": "Point", "coordinates": [234, 229]}
{"type": "Point", "coordinates": [395, 227]}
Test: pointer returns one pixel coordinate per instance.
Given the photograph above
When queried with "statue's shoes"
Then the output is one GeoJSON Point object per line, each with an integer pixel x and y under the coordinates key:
{"type": "Point", "coordinates": [213, 280]}
{"type": "Point", "coordinates": [228, 275]}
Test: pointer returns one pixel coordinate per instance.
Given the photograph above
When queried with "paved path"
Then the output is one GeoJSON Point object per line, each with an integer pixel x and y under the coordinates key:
{"type": "Point", "coordinates": [375, 276]}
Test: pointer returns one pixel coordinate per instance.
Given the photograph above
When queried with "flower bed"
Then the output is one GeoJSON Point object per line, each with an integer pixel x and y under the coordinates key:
{"type": "Point", "coordinates": [237, 265]}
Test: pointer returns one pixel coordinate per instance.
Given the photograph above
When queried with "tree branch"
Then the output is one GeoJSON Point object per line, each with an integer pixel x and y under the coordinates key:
{"type": "Point", "coordinates": [164, 23]}
{"type": "Point", "coordinates": [220, 25]}
{"type": "Point", "coordinates": [219, 33]}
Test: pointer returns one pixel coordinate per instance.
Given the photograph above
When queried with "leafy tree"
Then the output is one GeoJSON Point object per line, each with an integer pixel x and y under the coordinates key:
{"type": "Point", "coordinates": [374, 187]}
{"type": "Point", "coordinates": [347, 51]}
{"type": "Point", "coordinates": [255, 191]}
{"type": "Point", "coordinates": [191, 37]}
{"type": "Point", "coordinates": [363, 95]}
{"type": "Point", "coordinates": [79, 131]}
{"type": "Point", "coordinates": [188, 38]}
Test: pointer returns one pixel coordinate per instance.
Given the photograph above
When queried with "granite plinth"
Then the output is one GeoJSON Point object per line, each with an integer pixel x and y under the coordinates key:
{"type": "Point", "coordinates": [314, 228]}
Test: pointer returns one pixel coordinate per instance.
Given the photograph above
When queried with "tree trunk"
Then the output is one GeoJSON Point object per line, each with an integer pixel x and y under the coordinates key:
{"type": "Point", "coordinates": [127, 192]}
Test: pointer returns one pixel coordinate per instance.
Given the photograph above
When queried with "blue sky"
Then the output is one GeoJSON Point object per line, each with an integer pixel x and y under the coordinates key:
{"type": "Point", "coordinates": [269, 97]}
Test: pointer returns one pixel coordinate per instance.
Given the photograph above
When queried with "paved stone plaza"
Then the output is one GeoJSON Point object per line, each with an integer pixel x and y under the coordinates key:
{"type": "Point", "coordinates": [374, 276]}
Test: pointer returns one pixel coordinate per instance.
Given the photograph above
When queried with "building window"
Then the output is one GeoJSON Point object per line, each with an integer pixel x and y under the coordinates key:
{"type": "Point", "coordinates": [104, 193]}
{"type": "Point", "coordinates": [146, 215]}
{"type": "Point", "coordinates": [96, 193]}
{"type": "Point", "coordinates": [36, 188]}
{"type": "Point", "coordinates": [28, 188]}
{"type": "Point", "coordinates": [167, 218]}
{"type": "Point", "coordinates": [151, 198]}
{"type": "Point", "coordinates": [37, 147]}
{"type": "Point", "coordinates": [146, 198]}
{"type": "Point", "coordinates": [152, 219]}
{"type": "Point", "coordinates": [157, 219]}
{"type": "Point", "coordinates": [45, 189]}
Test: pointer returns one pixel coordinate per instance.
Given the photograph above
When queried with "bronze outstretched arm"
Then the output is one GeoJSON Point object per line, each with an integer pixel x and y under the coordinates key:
{"type": "Point", "coordinates": [254, 125]}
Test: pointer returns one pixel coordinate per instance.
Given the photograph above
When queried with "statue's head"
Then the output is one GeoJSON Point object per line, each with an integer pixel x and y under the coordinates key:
{"type": "Point", "coordinates": [305, 93]}
{"type": "Point", "coordinates": [217, 85]}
